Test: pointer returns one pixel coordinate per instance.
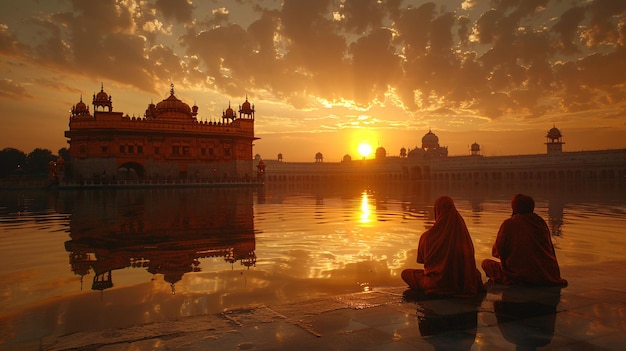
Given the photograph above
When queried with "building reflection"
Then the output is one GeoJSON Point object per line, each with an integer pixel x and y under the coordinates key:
{"type": "Point", "coordinates": [165, 231]}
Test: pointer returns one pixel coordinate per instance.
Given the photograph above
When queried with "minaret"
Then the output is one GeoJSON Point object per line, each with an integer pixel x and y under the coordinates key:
{"type": "Point", "coordinates": [475, 149]}
{"type": "Point", "coordinates": [102, 100]}
{"type": "Point", "coordinates": [554, 142]}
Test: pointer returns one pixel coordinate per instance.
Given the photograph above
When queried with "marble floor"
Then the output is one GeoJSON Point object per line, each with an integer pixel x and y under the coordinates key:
{"type": "Point", "coordinates": [589, 314]}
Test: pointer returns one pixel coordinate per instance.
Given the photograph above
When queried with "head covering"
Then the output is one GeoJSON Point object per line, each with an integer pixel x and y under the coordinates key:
{"type": "Point", "coordinates": [447, 252]}
{"type": "Point", "coordinates": [522, 204]}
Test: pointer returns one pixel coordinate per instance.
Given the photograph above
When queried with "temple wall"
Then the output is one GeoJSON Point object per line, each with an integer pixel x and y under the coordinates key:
{"type": "Point", "coordinates": [89, 168]}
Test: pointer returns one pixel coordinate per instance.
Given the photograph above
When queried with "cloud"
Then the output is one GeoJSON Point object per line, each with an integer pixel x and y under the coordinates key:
{"type": "Point", "coordinates": [178, 10]}
{"type": "Point", "coordinates": [517, 58]}
{"type": "Point", "coordinates": [567, 29]}
{"type": "Point", "coordinates": [12, 90]}
{"type": "Point", "coordinates": [9, 44]}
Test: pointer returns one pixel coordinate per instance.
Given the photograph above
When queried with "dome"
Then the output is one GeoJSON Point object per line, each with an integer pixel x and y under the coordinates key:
{"type": "Point", "coordinates": [102, 96]}
{"type": "Point", "coordinates": [172, 108]}
{"type": "Point", "coordinates": [475, 147]}
{"type": "Point", "coordinates": [246, 106]}
{"type": "Point", "coordinates": [381, 152]}
{"type": "Point", "coordinates": [229, 113]}
{"type": "Point", "coordinates": [554, 133]}
{"type": "Point", "coordinates": [347, 158]}
{"type": "Point", "coordinates": [430, 140]}
{"type": "Point", "coordinates": [81, 106]}
{"type": "Point", "coordinates": [102, 100]}
{"type": "Point", "coordinates": [80, 109]}
{"type": "Point", "coordinates": [417, 152]}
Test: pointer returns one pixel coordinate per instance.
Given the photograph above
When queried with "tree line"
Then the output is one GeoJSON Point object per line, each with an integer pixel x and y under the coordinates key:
{"type": "Point", "coordinates": [14, 162]}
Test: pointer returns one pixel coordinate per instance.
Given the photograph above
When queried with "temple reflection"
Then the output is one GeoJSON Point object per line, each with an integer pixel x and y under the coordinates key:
{"type": "Point", "coordinates": [166, 232]}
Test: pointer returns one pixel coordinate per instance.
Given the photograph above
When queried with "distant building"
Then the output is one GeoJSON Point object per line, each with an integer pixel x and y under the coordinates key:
{"type": "Point", "coordinates": [431, 163]}
{"type": "Point", "coordinates": [168, 142]}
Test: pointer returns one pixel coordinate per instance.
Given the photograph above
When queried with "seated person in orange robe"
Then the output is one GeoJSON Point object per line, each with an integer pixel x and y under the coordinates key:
{"type": "Point", "coordinates": [447, 252]}
{"type": "Point", "coordinates": [525, 249]}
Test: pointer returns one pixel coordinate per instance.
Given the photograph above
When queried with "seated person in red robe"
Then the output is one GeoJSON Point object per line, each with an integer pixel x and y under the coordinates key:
{"type": "Point", "coordinates": [447, 252]}
{"type": "Point", "coordinates": [524, 247]}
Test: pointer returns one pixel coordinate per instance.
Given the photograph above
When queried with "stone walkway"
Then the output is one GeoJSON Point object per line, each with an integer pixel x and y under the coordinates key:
{"type": "Point", "coordinates": [587, 315]}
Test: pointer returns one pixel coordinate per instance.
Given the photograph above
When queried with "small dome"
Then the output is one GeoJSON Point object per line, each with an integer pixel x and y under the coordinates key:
{"type": "Point", "coordinates": [554, 133]}
{"type": "Point", "coordinates": [475, 147]}
{"type": "Point", "coordinates": [101, 96]}
{"type": "Point", "coordinates": [229, 113]}
{"type": "Point", "coordinates": [81, 106]}
{"type": "Point", "coordinates": [347, 158]}
{"type": "Point", "coordinates": [417, 152]}
{"type": "Point", "coordinates": [430, 140]}
{"type": "Point", "coordinates": [246, 106]}
{"type": "Point", "coordinates": [381, 152]}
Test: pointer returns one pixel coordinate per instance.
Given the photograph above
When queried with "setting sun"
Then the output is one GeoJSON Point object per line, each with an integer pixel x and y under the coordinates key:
{"type": "Point", "coordinates": [364, 149]}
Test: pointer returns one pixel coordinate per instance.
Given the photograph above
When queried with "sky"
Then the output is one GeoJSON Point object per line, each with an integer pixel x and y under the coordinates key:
{"type": "Point", "coordinates": [327, 75]}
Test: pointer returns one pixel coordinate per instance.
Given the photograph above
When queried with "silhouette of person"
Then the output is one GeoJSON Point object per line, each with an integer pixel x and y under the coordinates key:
{"type": "Point", "coordinates": [527, 315]}
{"type": "Point", "coordinates": [524, 247]}
{"type": "Point", "coordinates": [447, 252]}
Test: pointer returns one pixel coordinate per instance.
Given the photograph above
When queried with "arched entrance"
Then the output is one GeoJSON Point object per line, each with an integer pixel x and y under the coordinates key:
{"type": "Point", "coordinates": [130, 171]}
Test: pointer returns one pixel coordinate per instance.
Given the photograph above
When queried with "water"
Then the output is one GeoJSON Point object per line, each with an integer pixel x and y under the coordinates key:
{"type": "Point", "coordinates": [84, 260]}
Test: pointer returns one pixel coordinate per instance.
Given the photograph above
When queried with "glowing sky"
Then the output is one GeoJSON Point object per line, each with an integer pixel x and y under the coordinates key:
{"type": "Point", "coordinates": [327, 75]}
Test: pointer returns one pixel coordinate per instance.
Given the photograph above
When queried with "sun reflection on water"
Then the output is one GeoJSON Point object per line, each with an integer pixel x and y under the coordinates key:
{"type": "Point", "coordinates": [366, 212]}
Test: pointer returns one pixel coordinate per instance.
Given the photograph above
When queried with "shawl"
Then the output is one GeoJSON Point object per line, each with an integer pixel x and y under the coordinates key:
{"type": "Point", "coordinates": [525, 248]}
{"type": "Point", "coordinates": [447, 252]}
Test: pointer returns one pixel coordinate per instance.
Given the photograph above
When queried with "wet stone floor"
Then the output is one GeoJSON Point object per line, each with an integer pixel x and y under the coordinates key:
{"type": "Point", "coordinates": [589, 314]}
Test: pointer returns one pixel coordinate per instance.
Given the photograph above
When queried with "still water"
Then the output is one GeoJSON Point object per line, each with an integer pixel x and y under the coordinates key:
{"type": "Point", "coordinates": [76, 260]}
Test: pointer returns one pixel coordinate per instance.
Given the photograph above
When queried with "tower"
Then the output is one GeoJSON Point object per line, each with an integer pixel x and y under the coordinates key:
{"type": "Point", "coordinates": [554, 142]}
{"type": "Point", "coordinates": [102, 100]}
{"type": "Point", "coordinates": [246, 110]}
{"type": "Point", "coordinates": [475, 149]}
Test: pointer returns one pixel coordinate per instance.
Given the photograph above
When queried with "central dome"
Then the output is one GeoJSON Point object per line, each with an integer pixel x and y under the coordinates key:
{"type": "Point", "coordinates": [173, 104]}
{"type": "Point", "coordinates": [172, 108]}
{"type": "Point", "coordinates": [430, 141]}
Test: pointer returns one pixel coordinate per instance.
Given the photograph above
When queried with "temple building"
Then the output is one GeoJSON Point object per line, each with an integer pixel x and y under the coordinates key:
{"type": "Point", "coordinates": [167, 143]}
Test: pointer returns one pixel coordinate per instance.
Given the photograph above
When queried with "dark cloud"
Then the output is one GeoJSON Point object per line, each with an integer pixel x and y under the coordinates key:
{"type": "Point", "coordinates": [602, 16]}
{"type": "Point", "coordinates": [567, 29]}
{"type": "Point", "coordinates": [178, 10]}
{"type": "Point", "coordinates": [375, 66]}
{"type": "Point", "coordinates": [362, 15]}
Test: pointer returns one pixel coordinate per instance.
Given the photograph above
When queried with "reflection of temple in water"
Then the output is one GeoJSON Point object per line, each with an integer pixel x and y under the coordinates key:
{"type": "Point", "coordinates": [165, 231]}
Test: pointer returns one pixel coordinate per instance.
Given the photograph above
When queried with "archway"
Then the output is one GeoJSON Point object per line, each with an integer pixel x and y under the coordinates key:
{"type": "Point", "coordinates": [130, 171]}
